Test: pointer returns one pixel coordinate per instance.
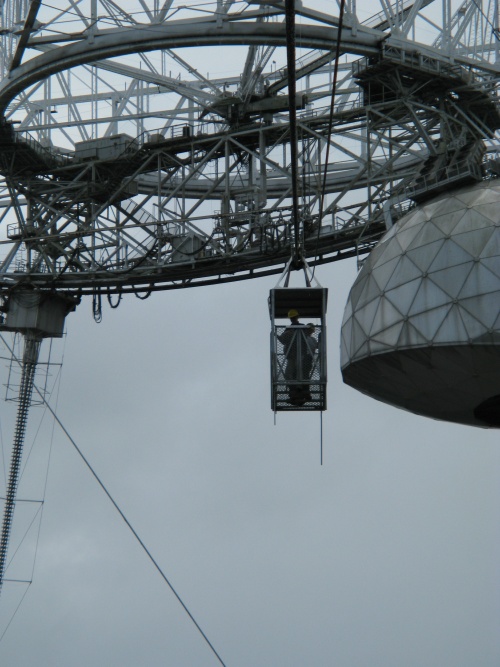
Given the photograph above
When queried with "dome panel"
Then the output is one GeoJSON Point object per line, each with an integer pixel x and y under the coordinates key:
{"type": "Point", "coordinates": [405, 273]}
{"type": "Point", "coordinates": [492, 264]}
{"type": "Point", "coordinates": [388, 338]}
{"type": "Point", "coordinates": [448, 222]}
{"type": "Point", "coordinates": [407, 236]}
{"type": "Point", "coordinates": [489, 211]}
{"type": "Point", "coordinates": [402, 296]}
{"type": "Point", "coordinates": [431, 208]}
{"type": "Point", "coordinates": [472, 196]}
{"type": "Point", "coordinates": [474, 241]}
{"type": "Point", "coordinates": [428, 234]}
{"type": "Point", "coordinates": [450, 254]}
{"type": "Point", "coordinates": [365, 316]}
{"type": "Point", "coordinates": [382, 273]}
{"type": "Point", "coordinates": [448, 203]}
{"type": "Point", "coordinates": [483, 307]}
{"type": "Point", "coordinates": [359, 341]}
{"type": "Point", "coordinates": [370, 291]}
{"type": "Point", "coordinates": [484, 194]}
{"type": "Point", "coordinates": [385, 317]}
{"type": "Point", "coordinates": [358, 288]}
{"type": "Point", "coordinates": [423, 256]}
{"type": "Point", "coordinates": [452, 328]}
{"type": "Point", "coordinates": [429, 322]}
{"type": "Point", "coordinates": [411, 337]}
{"type": "Point", "coordinates": [433, 344]}
{"type": "Point", "coordinates": [479, 281]}
{"type": "Point", "coordinates": [347, 312]}
{"type": "Point", "coordinates": [492, 249]}
{"type": "Point", "coordinates": [388, 250]}
{"type": "Point", "coordinates": [474, 326]}
{"type": "Point", "coordinates": [428, 297]}
{"type": "Point", "coordinates": [451, 279]}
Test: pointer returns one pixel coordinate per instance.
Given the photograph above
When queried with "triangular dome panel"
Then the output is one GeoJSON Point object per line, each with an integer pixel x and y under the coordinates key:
{"type": "Point", "coordinates": [451, 279]}
{"type": "Point", "coordinates": [405, 272]}
{"type": "Point", "coordinates": [428, 234]}
{"type": "Point", "coordinates": [452, 329]}
{"type": "Point", "coordinates": [450, 254]}
{"type": "Point", "coordinates": [428, 297]}
{"type": "Point", "coordinates": [447, 222]}
{"type": "Point", "coordinates": [365, 316]}
{"type": "Point", "coordinates": [492, 246]}
{"type": "Point", "coordinates": [474, 241]}
{"type": "Point", "coordinates": [402, 297]}
{"type": "Point", "coordinates": [390, 250]}
{"type": "Point", "coordinates": [428, 323]}
{"type": "Point", "coordinates": [388, 337]}
{"type": "Point", "coordinates": [382, 273]}
{"type": "Point", "coordinates": [492, 264]}
{"type": "Point", "coordinates": [480, 281]}
{"type": "Point", "coordinates": [385, 317]}
{"type": "Point", "coordinates": [490, 211]}
{"type": "Point", "coordinates": [410, 336]}
{"type": "Point", "coordinates": [483, 307]}
{"type": "Point", "coordinates": [474, 327]}
{"type": "Point", "coordinates": [423, 257]}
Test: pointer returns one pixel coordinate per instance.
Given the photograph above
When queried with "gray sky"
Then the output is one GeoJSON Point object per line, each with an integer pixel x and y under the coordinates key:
{"type": "Point", "coordinates": [387, 555]}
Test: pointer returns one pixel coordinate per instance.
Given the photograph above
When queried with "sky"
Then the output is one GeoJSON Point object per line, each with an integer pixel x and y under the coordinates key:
{"type": "Point", "coordinates": [385, 555]}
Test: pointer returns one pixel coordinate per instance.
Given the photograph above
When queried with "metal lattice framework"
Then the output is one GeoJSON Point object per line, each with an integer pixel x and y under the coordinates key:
{"type": "Point", "coordinates": [148, 146]}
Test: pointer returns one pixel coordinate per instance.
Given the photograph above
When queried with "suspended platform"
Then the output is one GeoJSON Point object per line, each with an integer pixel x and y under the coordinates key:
{"type": "Point", "coordinates": [298, 349]}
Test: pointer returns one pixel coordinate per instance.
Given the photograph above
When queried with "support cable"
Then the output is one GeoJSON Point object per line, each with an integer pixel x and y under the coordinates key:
{"type": "Point", "coordinates": [330, 120]}
{"type": "Point", "coordinates": [321, 438]}
{"type": "Point", "coordinates": [26, 532]}
{"type": "Point", "coordinates": [15, 612]}
{"type": "Point", "coordinates": [292, 106]}
{"type": "Point", "coordinates": [131, 528]}
{"type": "Point", "coordinates": [494, 29]}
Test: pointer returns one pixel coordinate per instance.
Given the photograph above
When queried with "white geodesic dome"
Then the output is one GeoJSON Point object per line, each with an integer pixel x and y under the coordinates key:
{"type": "Point", "coordinates": [421, 327]}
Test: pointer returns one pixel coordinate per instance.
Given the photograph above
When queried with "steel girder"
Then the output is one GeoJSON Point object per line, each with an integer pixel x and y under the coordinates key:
{"type": "Point", "coordinates": [196, 186]}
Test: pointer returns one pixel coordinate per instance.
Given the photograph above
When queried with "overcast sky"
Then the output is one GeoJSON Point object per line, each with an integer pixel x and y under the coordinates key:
{"type": "Point", "coordinates": [387, 555]}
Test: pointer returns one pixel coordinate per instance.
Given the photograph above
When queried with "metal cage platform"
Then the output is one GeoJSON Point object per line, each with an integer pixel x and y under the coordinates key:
{"type": "Point", "coordinates": [298, 350]}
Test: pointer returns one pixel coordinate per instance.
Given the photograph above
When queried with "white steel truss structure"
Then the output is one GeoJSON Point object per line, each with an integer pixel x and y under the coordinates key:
{"type": "Point", "coordinates": [147, 146]}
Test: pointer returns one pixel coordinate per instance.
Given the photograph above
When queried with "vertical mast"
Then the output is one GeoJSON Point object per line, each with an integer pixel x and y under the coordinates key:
{"type": "Point", "coordinates": [37, 315]}
{"type": "Point", "coordinates": [28, 367]}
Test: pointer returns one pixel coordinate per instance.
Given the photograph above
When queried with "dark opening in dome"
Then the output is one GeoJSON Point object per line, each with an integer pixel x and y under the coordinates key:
{"type": "Point", "coordinates": [489, 411]}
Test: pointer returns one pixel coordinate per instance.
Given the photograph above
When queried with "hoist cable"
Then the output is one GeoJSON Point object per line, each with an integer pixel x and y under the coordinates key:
{"type": "Point", "coordinates": [330, 120]}
{"type": "Point", "coordinates": [15, 612]}
{"type": "Point", "coordinates": [134, 533]}
{"type": "Point", "coordinates": [494, 29]}
{"type": "Point", "coordinates": [115, 505]}
{"type": "Point", "coordinates": [25, 535]}
{"type": "Point", "coordinates": [292, 116]}
{"type": "Point", "coordinates": [321, 437]}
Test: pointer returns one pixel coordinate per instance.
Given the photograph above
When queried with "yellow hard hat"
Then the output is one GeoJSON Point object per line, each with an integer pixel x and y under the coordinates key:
{"type": "Point", "coordinates": [293, 313]}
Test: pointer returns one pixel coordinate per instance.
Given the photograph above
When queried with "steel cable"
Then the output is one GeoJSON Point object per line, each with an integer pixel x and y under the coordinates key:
{"type": "Point", "coordinates": [115, 505]}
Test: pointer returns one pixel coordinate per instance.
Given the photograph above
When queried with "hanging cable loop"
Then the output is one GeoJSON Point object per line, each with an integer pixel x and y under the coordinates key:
{"type": "Point", "coordinates": [147, 294]}
{"type": "Point", "coordinates": [118, 301]}
{"type": "Point", "coordinates": [97, 306]}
